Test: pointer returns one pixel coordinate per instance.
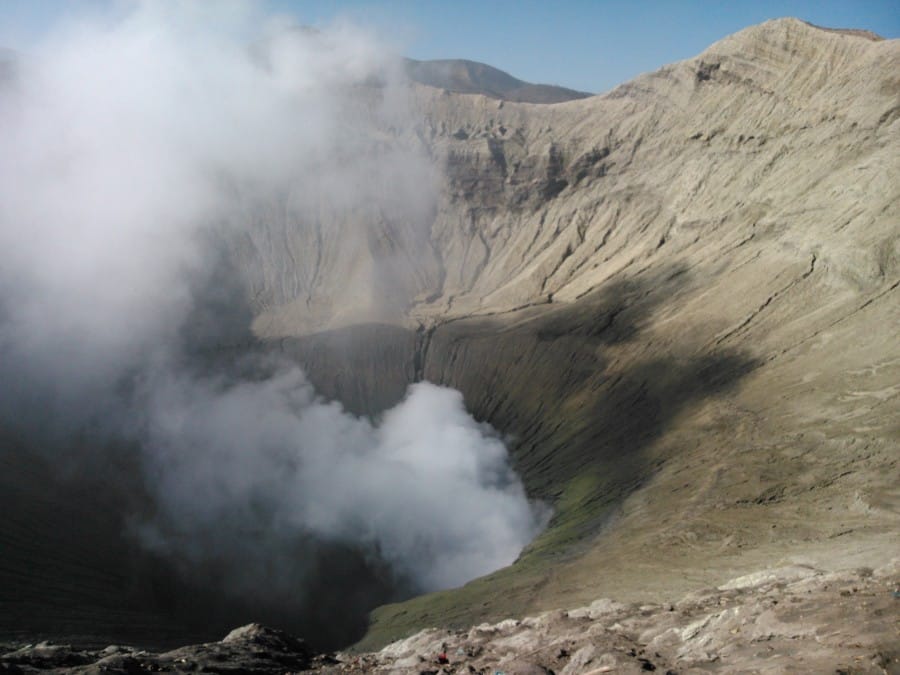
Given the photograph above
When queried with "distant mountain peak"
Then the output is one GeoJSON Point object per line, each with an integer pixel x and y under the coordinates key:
{"type": "Point", "coordinates": [471, 77]}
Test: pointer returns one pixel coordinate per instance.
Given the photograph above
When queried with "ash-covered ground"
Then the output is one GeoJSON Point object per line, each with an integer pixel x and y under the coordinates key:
{"type": "Point", "coordinates": [784, 619]}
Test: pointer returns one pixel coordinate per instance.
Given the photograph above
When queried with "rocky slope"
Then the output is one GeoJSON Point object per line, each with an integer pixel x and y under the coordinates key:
{"type": "Point", "coordinates": [679, 299]}
{"type": "Point", "coordinates": [774, 621]}
{"type": "Point", "coordinates": [756, 136]}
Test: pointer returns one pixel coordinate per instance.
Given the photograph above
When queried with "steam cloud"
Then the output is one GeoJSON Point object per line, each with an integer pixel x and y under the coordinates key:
{"type": "Point", "coordinates": [428, 486]}
{"type": "Point", "coordinates": [136, 152]}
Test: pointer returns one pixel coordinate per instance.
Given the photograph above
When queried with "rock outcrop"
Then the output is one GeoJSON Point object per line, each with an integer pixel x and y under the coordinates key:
{"type": "Point", "coordinates": [248, 649]}
{"type": "Point", "coordinates": [778, 620]}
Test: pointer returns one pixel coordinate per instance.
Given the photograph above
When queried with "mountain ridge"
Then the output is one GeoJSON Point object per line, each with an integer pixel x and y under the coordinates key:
{"type": "Point", "coordinates": [704, 250]}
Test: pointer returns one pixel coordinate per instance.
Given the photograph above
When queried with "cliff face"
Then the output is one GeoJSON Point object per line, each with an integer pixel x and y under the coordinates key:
{"type": "Point", "coordinates": [679, 299]}
{"type": "Point", "coordinates": [764, 128]}
{"type": "Point", "coordinates": [756, 137]}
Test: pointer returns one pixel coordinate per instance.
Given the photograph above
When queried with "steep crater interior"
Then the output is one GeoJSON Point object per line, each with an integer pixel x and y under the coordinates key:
{"type": "Point", "coordinates": [666, 299]}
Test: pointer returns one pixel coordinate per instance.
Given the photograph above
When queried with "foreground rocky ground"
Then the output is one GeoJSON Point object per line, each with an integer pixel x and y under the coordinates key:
{"type": "Point", "coordinates": [787, 619]}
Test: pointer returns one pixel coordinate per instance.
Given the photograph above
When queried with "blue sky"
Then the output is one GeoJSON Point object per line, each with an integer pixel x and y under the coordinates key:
{"type": "Point", "coordinates": [583, 44]}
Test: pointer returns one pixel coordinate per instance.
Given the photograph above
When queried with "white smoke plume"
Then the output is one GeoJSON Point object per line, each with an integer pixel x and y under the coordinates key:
{"type": "Point", "coordinates": [427, 486]}
{"type": "Point", "coordinates": [136, 150]}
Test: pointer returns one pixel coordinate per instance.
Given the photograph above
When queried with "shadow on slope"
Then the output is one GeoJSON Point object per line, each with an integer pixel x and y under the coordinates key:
{"type": "Point", "coordinates": [583, 392]}
{"type": "Point", "coordinates": [70, 571]}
